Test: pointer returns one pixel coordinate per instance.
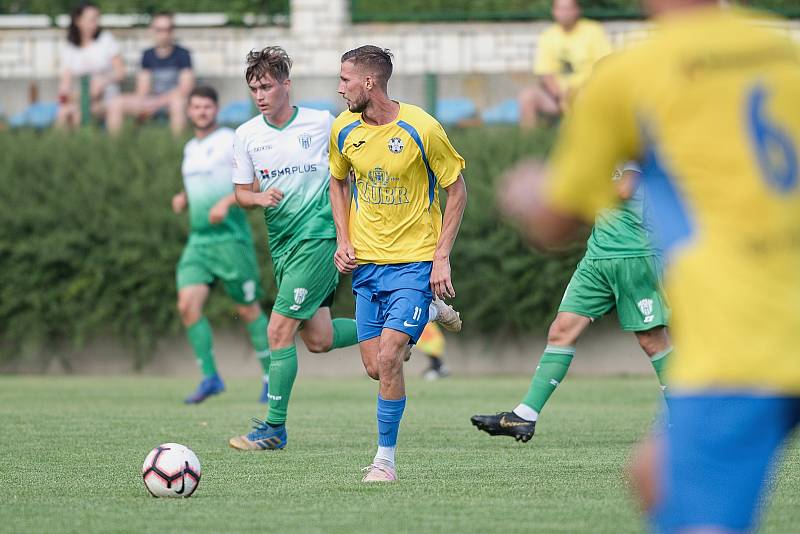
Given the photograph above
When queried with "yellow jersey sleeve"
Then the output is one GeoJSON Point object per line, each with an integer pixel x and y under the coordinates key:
{"type": "Point", "coordinates": [339, 164]}
{"type": "Point", "coordinates": [585, 154]}
{"type": "Point", "coordinates": [445, 162]}
{"type": "Point", "coordinates": [547, 54]}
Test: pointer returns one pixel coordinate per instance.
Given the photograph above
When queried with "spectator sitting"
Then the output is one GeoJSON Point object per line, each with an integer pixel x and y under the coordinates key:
{"type": "Point", "coordinates": [565, 55]}
{"type": "Point", "coordinates": [164, 83]}
{"type": "Point", "coordinates": [93, 52]}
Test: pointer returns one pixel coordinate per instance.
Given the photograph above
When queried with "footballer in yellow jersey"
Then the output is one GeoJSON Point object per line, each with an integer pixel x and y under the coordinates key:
{"type": "Point", "coordinates": [709, 106]}
{"type": "Point", "coordinates": [390, 229]}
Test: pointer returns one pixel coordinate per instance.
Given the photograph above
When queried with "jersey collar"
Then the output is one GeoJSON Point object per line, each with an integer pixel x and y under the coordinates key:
{"type": "Point", "coordinates": [290, 121]}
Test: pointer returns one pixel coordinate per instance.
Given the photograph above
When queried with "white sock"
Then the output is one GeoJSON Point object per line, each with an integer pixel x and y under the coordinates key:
{"type": "Point", "coordinates": [433, 313]}
{"type": "Point", "coordinates": [526, 412]}
{"type": "Point", "coordinates": [385, 455]}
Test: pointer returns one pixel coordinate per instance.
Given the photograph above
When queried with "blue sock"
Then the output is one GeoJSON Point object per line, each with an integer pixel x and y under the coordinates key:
{"type": "Point", "coordinates": [389, 414]}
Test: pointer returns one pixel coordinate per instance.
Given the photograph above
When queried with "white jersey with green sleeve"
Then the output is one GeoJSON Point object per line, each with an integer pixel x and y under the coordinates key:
{"type": "Point", "coordinates": [294, 160]}
{"type": "Point", "coordinates": [206, 170]}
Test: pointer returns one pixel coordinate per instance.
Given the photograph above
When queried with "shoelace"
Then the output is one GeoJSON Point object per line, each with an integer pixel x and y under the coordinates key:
{"type": "Point", "coordinates": [259, 424]}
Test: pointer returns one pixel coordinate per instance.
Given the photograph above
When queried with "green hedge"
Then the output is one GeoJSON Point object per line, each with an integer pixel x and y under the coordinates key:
{"type": "Point", "coordinates": [88, 243]}
{"type": "Point", "coordinates": [504, 10]}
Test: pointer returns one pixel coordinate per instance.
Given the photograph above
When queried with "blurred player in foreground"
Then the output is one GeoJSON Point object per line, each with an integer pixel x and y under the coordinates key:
{"type": "Point", "coordinates": [281, 165]}
{"type": "Point", "coordinates": [620, 269]}
{"type": "Point", "coordinates": [709, 106]}
{"type": "Point", "coordinates": [220, 246]}
{"type": "Point", "coordinates": [392, 238]}
{"type": "Point", "coordinates": [432, 343]}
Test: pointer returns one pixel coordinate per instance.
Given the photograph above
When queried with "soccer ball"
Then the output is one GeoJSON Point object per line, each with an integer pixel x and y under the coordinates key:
{"type": "Point", "coordinates": [171, 470]}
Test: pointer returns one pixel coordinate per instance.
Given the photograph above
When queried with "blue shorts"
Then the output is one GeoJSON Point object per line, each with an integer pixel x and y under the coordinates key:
{"type": "Point", "coordinates": [720, 450]}
{"type": "Point", "coordinates": [393, 296]}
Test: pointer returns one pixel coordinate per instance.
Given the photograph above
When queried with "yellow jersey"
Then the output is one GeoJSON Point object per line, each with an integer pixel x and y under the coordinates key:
{"type": "Point", "coordinates": [431, 341]}
{"type": "Point", "coordinates": [709, 106]}
{"type": "Point", "coordinates": [395, 215]}
{"type": "Point", "coordinates": [571, 56]}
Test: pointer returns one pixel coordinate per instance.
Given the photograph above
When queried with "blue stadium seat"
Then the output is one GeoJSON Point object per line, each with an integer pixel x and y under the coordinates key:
{"type": "Point", "coordinates": [506, 112]}
{"type": "Point", "coordinates": [37, 115]}
{"type": "Point", "coordinates": [235, 113]}
{"type": "Point", "coordinates": [455, 110]}
{"type": "Point", "coordinates": [325, 105]}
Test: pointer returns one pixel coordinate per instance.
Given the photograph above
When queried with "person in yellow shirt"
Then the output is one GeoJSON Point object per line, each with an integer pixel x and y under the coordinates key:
{"type": "Point", "coordinates": [390, 229]}
{"type": "Point", "coordinates": [566, 53]}
{"type": "Point", "coordinates": [709, 107]}
{"type": "Point", "coordinates": [432, 344]}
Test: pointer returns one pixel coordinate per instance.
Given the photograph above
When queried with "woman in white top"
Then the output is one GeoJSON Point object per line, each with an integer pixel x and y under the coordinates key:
{"type": "Point", "coordinates": [93, 52]}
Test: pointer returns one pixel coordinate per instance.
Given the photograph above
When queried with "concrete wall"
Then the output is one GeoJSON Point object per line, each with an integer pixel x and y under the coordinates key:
{"type": "Point", "coordinates": [487, 62]}
{"type": "Point", "coordinates": [604, 350]}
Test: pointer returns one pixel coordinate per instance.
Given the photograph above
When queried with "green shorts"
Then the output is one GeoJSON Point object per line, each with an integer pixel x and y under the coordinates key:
{"type": "Point", "coordinates": [306, 278]}
{"type": "Point", "coordinates": [632, 285]}
{"type": "Point", "coordinates": [232, 262]}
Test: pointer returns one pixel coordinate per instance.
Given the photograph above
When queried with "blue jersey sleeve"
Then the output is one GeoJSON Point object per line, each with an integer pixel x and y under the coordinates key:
{"type": "Point", "coordinates": [183, 58]}
{"type": "Point", "coordinates": [148, 58]}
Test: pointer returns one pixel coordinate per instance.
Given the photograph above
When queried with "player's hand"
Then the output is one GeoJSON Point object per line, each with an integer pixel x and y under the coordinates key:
{"type": "Point", "coordinates": [179, 202]}
{"type": "Point", "coordinates": [218, 212]}
{"type": "Point", "coordinates": [269, 198]}
{"type": "Point", "coordinates": [345, 258]}
{"type": "Point", "coordinates": [441, 283]}
{"type": "Point", "coordinates": [519, 190]}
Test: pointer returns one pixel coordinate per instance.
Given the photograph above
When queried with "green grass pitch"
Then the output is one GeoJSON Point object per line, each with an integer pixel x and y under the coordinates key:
{"type": "Point", "coordinates": [71, 451]}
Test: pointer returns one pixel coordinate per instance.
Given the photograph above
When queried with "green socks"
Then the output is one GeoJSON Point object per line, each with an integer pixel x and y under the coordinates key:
{"type": "Point", "coordinates": [202, 340]}
{"type": "Point", "coordinates": [660, 362]}
{"type": "Point", "coordinates": [344, 333]}
{"type": "Point", "coordinates": [258, 337]}
{"type": "Point", "coordinates": [282, 373]}
{"type": "Point", "coordinates": [550, 372]}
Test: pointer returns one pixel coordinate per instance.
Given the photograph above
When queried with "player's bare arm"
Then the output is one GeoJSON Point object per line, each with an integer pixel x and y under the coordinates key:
{"type": "Point", "coordinates": [441, 282]}
{"type": "Point", "coordinates": [247, 198]}
{"type": "Point", "coordinates": [626, 185]}
{"type": "Point", "coordinates": [345, 257]}
{"type": "Point", "coordinates": [179, 202]}
{"type": "Point", "coordinates": [219, 211]}
{"type": "Point", "coordinates": [521, 199]}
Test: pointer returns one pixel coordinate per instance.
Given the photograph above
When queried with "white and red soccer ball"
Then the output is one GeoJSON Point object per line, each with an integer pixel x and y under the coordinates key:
{"type": "Point", "coordinates": [171, 470]}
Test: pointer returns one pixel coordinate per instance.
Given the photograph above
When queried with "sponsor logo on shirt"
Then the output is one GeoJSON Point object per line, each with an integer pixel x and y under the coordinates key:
{"type": "Point", "coordinates": [380, 188]}
{"type": "Point", "coordinates": [271, 174]}
{"type": "Point", "coordinates": [262, 148]}
{"type": "Point", "coordinates": [396, 145]}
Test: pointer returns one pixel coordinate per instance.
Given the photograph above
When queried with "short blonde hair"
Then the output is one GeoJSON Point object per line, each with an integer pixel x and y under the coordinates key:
{"type": "Point", "coordinates": [272, 60]}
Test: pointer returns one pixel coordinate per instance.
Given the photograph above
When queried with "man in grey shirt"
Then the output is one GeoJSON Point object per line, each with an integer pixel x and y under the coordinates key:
{"type": "Point", "coordinates": [163, 83]}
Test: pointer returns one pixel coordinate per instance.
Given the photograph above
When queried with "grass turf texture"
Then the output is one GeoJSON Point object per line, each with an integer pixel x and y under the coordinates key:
{"type": "Point", "coordinates": [71, 451]}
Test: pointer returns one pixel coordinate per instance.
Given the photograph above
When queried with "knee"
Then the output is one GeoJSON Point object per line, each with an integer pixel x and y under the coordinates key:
{"type": "Point", "coordinates": [372, 371]}
{"type": "Point", "coordinates": [316, 345]}
{"type": "Point", "coordinates": [559, 335]}
{"type": "Point", "coordinates": [280, 335]}
{"type": "Point", "coordinates": [653, 342]}
{"type": "Point", "coordinates": [189, 311]}
{"type": "Point", "coordinates": [389, 361]}
{"type": "Point", "coordinates": [249, 313]}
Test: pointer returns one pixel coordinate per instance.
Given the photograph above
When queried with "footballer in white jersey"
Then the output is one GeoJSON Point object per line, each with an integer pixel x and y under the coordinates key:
{"type": "Point", "coordinates": [281, 165]}
{"type": "Point", "coordinates": [220, 247]}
